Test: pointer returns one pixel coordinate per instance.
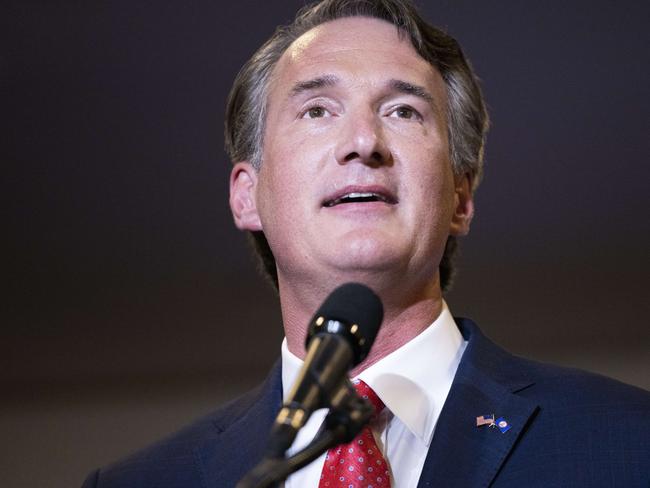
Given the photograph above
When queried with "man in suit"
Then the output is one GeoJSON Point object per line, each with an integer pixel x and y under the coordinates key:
{"type": "Point", "coordinates": [357, 135]}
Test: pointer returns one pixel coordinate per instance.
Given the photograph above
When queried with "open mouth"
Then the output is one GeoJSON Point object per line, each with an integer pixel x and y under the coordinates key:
{"type": "Point", "coordinates": [360, 197]}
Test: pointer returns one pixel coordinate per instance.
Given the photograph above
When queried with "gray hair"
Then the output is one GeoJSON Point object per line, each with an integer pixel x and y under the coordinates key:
{"type": "Point", "coordinates": [467, 118]}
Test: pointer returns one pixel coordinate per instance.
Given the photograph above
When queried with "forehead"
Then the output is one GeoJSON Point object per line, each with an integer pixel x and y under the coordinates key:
{"type": "Point", "coordinates": [361, 50]}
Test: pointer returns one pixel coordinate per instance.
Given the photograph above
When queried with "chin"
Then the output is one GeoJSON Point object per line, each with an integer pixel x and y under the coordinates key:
{"type": "Point", "coordinates": [364, 255]}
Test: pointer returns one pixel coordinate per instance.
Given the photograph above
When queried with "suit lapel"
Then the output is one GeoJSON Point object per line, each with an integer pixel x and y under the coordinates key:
{"type": "Point", "coordinates": [462, 454]}
{"type": "Point", "coordinates": [240, 435]}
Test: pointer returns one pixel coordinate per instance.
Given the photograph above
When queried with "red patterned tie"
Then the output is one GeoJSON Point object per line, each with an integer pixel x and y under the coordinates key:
{"type": "Point", "coordinates": [359, 463]}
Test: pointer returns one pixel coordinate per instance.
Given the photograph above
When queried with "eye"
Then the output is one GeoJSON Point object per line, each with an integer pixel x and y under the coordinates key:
{"type": "Point", "coordinates": [316, 112]}
{"type": "Point", "coordinates": [404, 112]}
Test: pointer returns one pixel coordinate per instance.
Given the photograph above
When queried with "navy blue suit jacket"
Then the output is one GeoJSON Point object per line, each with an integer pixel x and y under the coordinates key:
{"type": "Point", "coordinates": [569, 428]}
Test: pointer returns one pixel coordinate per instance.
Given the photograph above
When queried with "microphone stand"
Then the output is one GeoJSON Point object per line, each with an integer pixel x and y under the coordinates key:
{"type": "Point", "coordinates": [349, 413]}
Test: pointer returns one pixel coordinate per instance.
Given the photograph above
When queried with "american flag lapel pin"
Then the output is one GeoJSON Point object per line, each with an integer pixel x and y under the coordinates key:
{"type": "Point", "coordinates": [485, 420]}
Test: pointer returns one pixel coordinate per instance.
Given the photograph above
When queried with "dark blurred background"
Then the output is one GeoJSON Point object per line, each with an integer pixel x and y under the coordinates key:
{"type": "Point", "coordinates": [131, 304]}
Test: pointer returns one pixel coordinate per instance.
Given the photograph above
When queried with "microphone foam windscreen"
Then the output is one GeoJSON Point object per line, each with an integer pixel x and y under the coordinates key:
{"type": "Point", "coordinates": [355, 303]}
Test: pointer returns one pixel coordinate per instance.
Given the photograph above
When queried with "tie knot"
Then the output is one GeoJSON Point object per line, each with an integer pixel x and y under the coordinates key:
{"type": "Point", "coordinates": [366, 392]}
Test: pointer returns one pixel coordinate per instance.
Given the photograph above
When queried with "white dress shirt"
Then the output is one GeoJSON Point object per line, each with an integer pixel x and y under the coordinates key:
{"type": "Point", "coordinates": [413, 382]}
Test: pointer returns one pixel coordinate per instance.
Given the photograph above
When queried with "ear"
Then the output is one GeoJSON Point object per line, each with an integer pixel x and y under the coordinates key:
{"type": "Point", "coordinates": [463, 206]}
{"type": "Point", "coordinates": [243, 182]}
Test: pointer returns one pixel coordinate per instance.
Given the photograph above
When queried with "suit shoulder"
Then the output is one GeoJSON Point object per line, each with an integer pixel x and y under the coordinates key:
{"type": "Point", "coordinates": [547, 383]}
{"type": "Point", "coordinates": [566, 386]}
{"type": "Point", "coordinates": [171, 461]}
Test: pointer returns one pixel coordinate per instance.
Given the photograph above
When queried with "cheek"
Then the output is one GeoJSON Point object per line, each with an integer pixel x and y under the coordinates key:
{"type": "Point", "coordinates": [429, 182]}
{"type": "Point", "coordinates": [281, 196]}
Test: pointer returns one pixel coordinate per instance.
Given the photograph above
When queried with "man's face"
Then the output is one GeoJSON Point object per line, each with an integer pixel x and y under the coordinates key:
{"type": "Point", "coordinates": [356, 178]}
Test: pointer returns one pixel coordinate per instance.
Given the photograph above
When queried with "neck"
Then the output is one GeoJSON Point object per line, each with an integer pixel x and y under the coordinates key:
{"type": "Point", "coordinates": [406, 314]}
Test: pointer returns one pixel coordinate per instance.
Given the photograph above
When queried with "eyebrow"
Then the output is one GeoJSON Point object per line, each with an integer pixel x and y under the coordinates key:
{"type": "Point", "coordinates": [400, 86]}
{"type": "Point", "coordinates": [411, 89]}
{"type": "Point", "coordinates": [313, 84]}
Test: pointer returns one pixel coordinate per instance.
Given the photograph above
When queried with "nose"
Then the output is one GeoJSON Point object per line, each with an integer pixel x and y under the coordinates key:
{"type": "Point", "coordinates": [362, 139]}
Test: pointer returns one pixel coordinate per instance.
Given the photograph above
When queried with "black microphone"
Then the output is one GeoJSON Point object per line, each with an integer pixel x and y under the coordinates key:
{"type": "Point", "coordinates": [340, 336]}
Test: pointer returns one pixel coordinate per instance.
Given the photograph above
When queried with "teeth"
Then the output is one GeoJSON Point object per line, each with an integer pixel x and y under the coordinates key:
{"type": "Point", "coordinates": [362, 196]}
{"type": "Point", "coordinates": [350, 196]}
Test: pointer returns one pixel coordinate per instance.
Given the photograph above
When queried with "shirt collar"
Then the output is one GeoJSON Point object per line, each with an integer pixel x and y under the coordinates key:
{"type": "Point", "coordinates": [412, 381]}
